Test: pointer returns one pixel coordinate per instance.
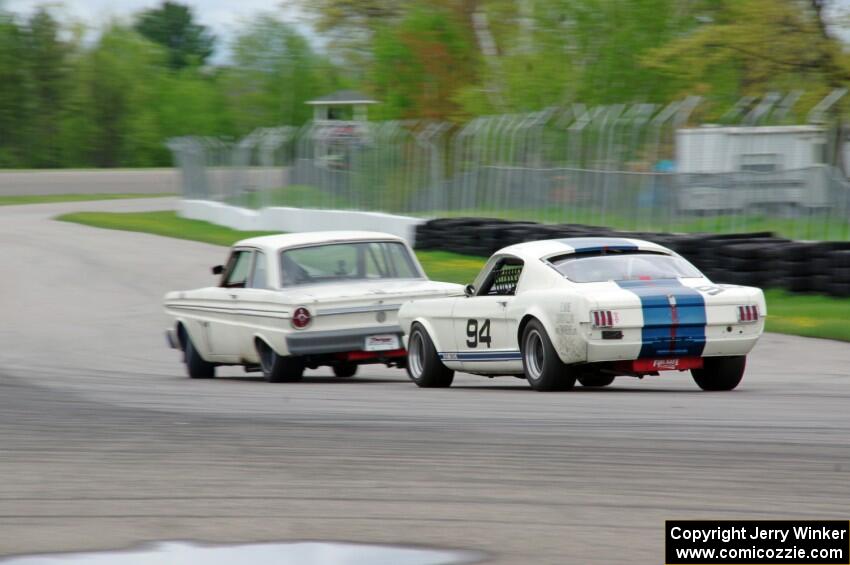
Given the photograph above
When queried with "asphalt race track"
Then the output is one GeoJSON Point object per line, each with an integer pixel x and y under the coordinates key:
{"type": "Point", "coordinates": [106, 444]}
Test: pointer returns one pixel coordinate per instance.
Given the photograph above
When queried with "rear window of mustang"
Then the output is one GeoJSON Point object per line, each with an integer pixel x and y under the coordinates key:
{"type": "Point", "coordinates": [614, 265]}
{"type": "Point", "coordinates": [335, 262]}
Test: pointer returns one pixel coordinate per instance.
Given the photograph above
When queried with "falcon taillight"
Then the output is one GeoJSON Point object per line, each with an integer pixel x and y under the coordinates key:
{"type": "Point", "coordinates": [301, 318]}
{"type": "Point", "coordinates": [748, 314]}
{"type": "Point", "coordinates": [602, 318]}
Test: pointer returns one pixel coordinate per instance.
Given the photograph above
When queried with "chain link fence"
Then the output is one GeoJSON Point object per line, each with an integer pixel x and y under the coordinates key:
{"type": "Point", "coordinates": [633, 167]}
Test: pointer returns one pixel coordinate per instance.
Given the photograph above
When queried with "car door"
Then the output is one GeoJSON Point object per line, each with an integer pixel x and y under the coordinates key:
{"type": "Point", "coordinates": [255, 308]}
{"type": "Point", "coordinates": [482, 334]}
{"type": "Point", "coordinates": [222, 330]}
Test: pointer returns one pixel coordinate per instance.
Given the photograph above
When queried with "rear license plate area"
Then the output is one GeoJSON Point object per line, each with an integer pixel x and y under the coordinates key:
{"type": "Point", "coordinates": [384, 342]}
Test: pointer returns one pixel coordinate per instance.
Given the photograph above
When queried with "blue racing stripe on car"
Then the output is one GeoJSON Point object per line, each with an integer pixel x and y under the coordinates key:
{"type": "Point", "coordinates": [480, 355]}
{"type": "Point", "coordinates": [595, 244]}
{"type": "Point", "coordinates": [670, 330]}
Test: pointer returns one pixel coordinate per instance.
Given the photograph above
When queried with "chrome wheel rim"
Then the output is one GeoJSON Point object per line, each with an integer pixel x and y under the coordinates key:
{"type": "Point", "coordinates": [534, 354]}
{"type": "Point", "coordinates": [416, 354]}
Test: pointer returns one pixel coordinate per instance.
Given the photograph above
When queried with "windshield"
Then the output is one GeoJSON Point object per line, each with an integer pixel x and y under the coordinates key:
{"type": "Point", "coordinates": [623, 267]}
{"type": "Point", "coordinates": [368, 260]}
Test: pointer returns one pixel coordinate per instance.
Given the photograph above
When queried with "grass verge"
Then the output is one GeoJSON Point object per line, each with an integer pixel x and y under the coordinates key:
{"type": "Point", "coordinates": [50, 198]}
{"type": "Point", "coordinates": [795, 314]}
{"type": "Point", "coordinates": [165, 223]}
{"type": "Point", "coordinates": [808, 315]}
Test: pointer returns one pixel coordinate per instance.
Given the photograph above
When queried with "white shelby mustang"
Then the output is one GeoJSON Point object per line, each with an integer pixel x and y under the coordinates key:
{"type": "Point", "coordinates": [287, 302]}
{"type": "Point", "coordinates": [586, 309]}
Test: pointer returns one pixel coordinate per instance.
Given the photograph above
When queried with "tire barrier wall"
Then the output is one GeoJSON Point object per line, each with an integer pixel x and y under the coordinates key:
{"type": "Point", "coordinates": [754, 259]}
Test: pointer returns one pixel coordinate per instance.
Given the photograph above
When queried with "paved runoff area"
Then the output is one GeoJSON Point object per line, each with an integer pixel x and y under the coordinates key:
{"type": "Point", "coordinates": [107, 445]}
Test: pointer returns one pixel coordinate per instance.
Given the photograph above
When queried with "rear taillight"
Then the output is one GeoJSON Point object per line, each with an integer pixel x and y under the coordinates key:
{"type": "Point", "coordinates": [301, 318]}
{"type": "Point", "coordinates": [748, 314]}
{"type": "Point", "coordinates": [602, 318]}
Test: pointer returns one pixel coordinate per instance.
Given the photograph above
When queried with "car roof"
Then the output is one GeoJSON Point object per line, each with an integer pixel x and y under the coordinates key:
{"type": "Point", "coordinates": [551, 247]}
{"type": "Point", "coordinates": [285, 240]}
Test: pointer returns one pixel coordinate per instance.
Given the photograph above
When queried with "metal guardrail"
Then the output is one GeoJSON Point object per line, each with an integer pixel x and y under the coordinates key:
{"type": "Point", "coordinates": [614, 165]}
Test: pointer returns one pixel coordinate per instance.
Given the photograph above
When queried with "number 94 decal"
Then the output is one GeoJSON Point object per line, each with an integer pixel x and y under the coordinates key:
{"type": "Point", "coordinates": [477, 333]}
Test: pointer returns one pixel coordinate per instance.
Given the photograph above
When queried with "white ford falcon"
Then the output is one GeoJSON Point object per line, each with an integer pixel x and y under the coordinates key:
{"type": "Point", "coordinates": [287, 302]}
{"type": "Point", "coordinates": [586, 309]}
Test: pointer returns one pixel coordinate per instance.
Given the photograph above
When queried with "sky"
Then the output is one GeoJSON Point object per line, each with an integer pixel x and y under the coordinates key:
{"type": "Point", "coordinates": [223, 17]}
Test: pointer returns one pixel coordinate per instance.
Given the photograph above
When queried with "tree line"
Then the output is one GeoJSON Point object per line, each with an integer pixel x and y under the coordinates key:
{"type": "Point", "coordinates": [70, 100]}
{"type": "Point", "coordinates": [461, 58]}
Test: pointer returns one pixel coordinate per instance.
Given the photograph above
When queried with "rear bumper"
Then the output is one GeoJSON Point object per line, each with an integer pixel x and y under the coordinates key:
{"type": "Point", "coordinates": [719, 341]}
{"type": "Point", "coordinates": [335, 341]}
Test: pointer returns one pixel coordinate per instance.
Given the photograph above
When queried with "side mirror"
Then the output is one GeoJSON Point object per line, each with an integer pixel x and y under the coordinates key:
{"type": "Point", "coordinates": [469, 290]}
{"type": "Point", "coordinates": [218, 269]}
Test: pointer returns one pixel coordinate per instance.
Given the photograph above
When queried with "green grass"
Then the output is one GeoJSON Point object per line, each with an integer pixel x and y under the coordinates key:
{"type": "Point", "coordinates": [450, 267]}
{"type": "Point", "coordinates": [50, 198]}
{"type": "Point", "coordinates": [808, 315]}
{"type": "Point", "coordinates": [795, 314]}
{"type": "Point", "coordinates": [166, 223]}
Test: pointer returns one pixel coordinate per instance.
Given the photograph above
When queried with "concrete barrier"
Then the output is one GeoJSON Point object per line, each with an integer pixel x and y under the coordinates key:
{"type": "Point", "coordinates": [298, 219]}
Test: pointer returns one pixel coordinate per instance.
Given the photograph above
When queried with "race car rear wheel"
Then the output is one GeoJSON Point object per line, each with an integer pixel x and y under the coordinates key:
{"type": "Point", "coordinates": [195, 364]}
{"type": "Point", "coordinates": [720, 373]}
{"type": "Point", "coordinates": [277, 368]}
{"type": "Point", "coordinates": [596, 381]}
{"type": "Point", "coordinates": [424, 366]}
{"type": "Point", "coordinates": [544, 370]}
{"type": "Point", "coordinates": [345, 370]}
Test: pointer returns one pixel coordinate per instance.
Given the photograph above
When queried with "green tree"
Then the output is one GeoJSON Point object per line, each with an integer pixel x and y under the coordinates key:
{"type": "Point", "coordinates": [117, 100]}
{"type": "Point", "coordinates": [12, 95]}
{"type": "Point", "coordinates": [44, 63]}
{"type": "Point", "coordinates": [515, 55]}
{"type": "Point", "coordinates": [275, 72]}
{"type": "Point", "coordinates": [552, 52]}
{"type": "Point", "coordinates": [350, 26]}
{"type": "Point", "coordinates": [750, 47]}
{"type": "Point", "coordinates": [192, 103]}
{"type": "Point", "coordinates": [420, 64]}
{"type": "Point", "coordinates": [173, 26]}
{"type": "Point", "coordinates": [119, 78]}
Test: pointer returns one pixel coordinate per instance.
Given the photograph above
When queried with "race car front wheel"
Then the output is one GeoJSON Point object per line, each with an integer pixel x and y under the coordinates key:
{"type": "Point", "coordinates": [277, 368]}
{"type": "Point", "coordinates": [424, 366]}
{"type": "Point", "coordinates": [544, 370]}
{"type": "Point", "coordinates": [720, 373]}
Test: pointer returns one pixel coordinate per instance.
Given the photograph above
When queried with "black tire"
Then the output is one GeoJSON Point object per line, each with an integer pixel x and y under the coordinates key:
{"type": "Point", "coordinates": [279, 369]}
{"type": "Point", "coordinates": [720, 373]}
{"type": "Point", "coordinates": [543, 369]}
{"type": "Point", "coordinates": [345, 370]}
{"type": "Point", "coordinates": [424, 366]}
{"type": "Point", "coordinates": [596, 381]}
{"type": "Point", "coordinates": [195, 364]}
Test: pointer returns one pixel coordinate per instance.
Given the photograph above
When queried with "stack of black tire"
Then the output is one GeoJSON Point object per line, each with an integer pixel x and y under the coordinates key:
{"type": "Point", "coordinates": [819, 267]}
{"type": "Point", "coordinates": [754, 259]}
{"type": "Point", "coordinates": [735, 258]}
